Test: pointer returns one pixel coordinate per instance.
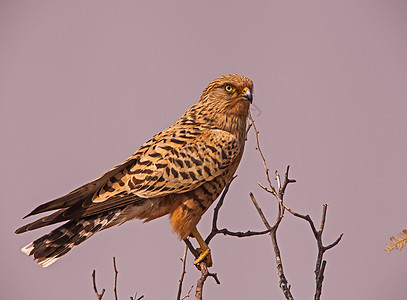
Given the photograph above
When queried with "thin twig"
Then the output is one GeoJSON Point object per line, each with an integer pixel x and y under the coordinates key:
{"type": "Point", "coordinates": [116, 272]}
{"type": "Point", "coordinates": [262, 216]}
{"type": "Point", "coordinates": [286, 182]}
{"type": "Point", "coordinates": [201, 281]}
{"type": "Point", "coordinates": [319, 280]}
{"type": "Point", "coordinates": [320, 263]}
{"type": "Point", "coordinates": [285, 287]}
{"type": "Point", "coordinates": [99, 296]}
{"type": "Point", "coordinates": [240, 234]}
{"type": "Point", "coordinates": [265, 188]}
{"type": "Point", "coordinates": [248, 129]}
{"type": "Point", "coordinates": [135, 297]}
{"type": "Point", "coordinates": [189, 291]}
{"type": "Point", "coordinates": [204, 275]}
{"type": "Point", "coordinates": [323, 219]}
{"type": "Point", "coordinates": [273, 234]}
{"type": "Point", "coordinates": [278, 179]}
{"type": "Point", "coordinates": [181, 280]}
{"type": "Point", "coordinates": [334, 243]}
{"type": "Point", "coordinates": [215, 231]}
{"type": "Point", "coordinates": [256, 132]}
{"type": "Point", "coordinates": [216, 212]}
{"type": "Point", "coordinates": [191, 248]}
{"type": "Point", "coordinates": [115, 278]}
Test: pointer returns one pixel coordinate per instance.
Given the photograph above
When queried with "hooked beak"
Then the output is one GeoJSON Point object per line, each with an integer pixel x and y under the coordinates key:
{"type": "Point", "coordinates": [246, 93]}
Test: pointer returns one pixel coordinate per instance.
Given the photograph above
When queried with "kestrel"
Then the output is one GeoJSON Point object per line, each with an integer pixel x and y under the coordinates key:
{"type": "Point", "coordinates": [180, 171]}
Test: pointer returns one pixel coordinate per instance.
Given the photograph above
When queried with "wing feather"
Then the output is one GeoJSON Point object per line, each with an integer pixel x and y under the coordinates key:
{"type": "Point", "coordinates": [82, 193]}
{"type": "Point", "coordinates": [175, 164]}
{"type": "Point", "coordinates": [171, 162]}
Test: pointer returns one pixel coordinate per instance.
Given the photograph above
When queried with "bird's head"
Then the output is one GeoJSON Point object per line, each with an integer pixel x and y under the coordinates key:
{"type": "Point", "coordinates": [229, 94]}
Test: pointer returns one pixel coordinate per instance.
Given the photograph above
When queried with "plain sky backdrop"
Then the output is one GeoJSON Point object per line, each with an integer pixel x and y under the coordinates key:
{"type": "Point", "coordinates": [84, 83]}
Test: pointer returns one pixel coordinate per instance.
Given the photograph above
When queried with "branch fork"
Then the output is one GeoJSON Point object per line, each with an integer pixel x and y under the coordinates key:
{"type": "Point", "coordinates": [279, 195]}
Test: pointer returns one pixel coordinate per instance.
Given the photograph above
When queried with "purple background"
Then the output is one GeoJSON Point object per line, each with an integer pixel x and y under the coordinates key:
{"type": "Point", "coordinates": [84, 83]}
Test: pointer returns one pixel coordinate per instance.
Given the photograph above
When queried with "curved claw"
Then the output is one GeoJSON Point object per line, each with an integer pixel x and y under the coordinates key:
{"type": "Point", "coordinates": [204, 251]}
{"type": "Point", "coordinates": [205, 255]}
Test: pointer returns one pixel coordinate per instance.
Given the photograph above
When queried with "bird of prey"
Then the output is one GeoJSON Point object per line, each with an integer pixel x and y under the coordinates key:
{"type": "Point", "coordinates": [180, 172]}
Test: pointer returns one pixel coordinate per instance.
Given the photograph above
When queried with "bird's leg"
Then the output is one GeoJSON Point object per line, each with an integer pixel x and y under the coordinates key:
{"type": "Point", "coordinates": [205, 252]}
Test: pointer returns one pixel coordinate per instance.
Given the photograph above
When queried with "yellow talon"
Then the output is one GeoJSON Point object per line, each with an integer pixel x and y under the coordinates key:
{"type": "Point", "coordinates": [205, 255]}
{"type": "Point", "coordinates": [205, 252]}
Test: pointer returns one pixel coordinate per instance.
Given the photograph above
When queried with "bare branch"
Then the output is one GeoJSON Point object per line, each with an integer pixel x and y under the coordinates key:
{"type": "Point", "coordinates": [226, 231]}
{"type": "Point", "coordinates": [248, 129]}
{"type": "Point", "coordinates": [202, 266]}
{"type": "Point", "coordinates": [262, 156]}
{"type": "Point", "coordinates": [191, 248]}
{"type": "Point", "coordinates": [115, 278]}
{"type": "Point", "coordinates": [306, 218]}
{"type": "Point", "coordinates": [285, 287]}
{"type": "Point", "coordinates": [287, 180]}
{"type": "Point", "coordinates": [319, 280]}
{"type": "Point", "coordinates": [273, 234]}
{"type": "Point", "coordinates": [239, 234]}
{"type": "Point", "coordinates": [271, 230]}
{"type": "Point", "coordinates": [216, 212]}
{"type": "Point", "coordinates": [266, 189]}
{"type": "Point", "coordinates": [278, 179]}
{"type": "Point", "coordinates": [204, 275]}
{"type": "Point", "coordinates": [262, 216]}
{"type": "Point", "coordinates": [189, 291]}
{"type": "Point", "coordinates": [334, 243]}
{"type": "Point", "coordinates": [135, 297]}
{"type": "Point", "coordinates": [323, 219]}
{"type": "Point", "coordinates": [183, 259]}
{"type": "Point", "coordinates": [320, 263]}
{"type": "Point", "coordinates": [201, 281]}
{"type": "Point", "coordinates": [99, 296]}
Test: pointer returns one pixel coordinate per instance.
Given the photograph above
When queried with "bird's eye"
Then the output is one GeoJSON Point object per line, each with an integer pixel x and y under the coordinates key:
{"type": "Point", "coordinates": [229, 89]}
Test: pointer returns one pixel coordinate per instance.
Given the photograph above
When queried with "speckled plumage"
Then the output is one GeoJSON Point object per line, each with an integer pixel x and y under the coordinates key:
{"type": "Point", "coordinates": [180, 171]}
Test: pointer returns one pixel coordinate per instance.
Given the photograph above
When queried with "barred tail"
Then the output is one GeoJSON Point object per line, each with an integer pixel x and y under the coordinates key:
{"type": "Point", "coordinates": [52, 246]}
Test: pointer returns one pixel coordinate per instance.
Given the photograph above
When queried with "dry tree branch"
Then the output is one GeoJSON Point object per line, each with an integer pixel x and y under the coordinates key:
{"type": "Point", "coordinates": [115, 278]}
{"type": "Point", "coordinates": [99, 296]}
{"type": "Point", "coordinates": [181, 280]}
{"type": "Point", "coordinates": [256, 132]}
{"type": "Point", "coordinates": [215, 231]}
{"type": "Point", "coordinates": [278, 193]}
{"type": "Point", "coordinates": [318, 236]}
{"type": "Point", "coordinates": [216, 212]}
{"type": "Point", "coordinates": [320, 263]}
{"type": "Point", "coordinates": [204, 272]}
{"type": "Point", "coordinates": [285, 287]}
{"type": "Point", "coordinates": [135, 297]}
{"type": "Point", "coordinates": [204, 275]}
{"type": "Point", "coordinates": [240, 234]}
{"type": "Point", "coordinates": [191, 248]}
{"type": "Point", "coordinates": [187, 294]}
{"type": "Point", "coordinates": [116, 272]}
{"type": "Point", "coordinates": [201, 281]}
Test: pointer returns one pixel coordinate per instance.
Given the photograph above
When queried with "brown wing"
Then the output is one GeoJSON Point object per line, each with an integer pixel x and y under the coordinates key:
{"type": "Point", "coordinates": [82, 193]}
{"type": "Point", "coordinates": [74, 201]}
{"type": "Point", "coordinates": [177, 163]}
